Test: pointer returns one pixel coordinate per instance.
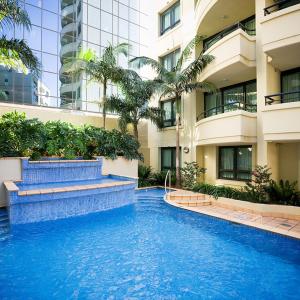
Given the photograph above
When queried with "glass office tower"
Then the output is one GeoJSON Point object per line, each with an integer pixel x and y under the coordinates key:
{"type": "Point", "coordinates": [59, 29]}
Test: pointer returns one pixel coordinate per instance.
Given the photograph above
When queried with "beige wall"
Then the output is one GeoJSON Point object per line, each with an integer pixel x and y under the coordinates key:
{"type": "Point", "coordinates": [10, 169]}
{"type": "Point", "coordinates": [51, 114]}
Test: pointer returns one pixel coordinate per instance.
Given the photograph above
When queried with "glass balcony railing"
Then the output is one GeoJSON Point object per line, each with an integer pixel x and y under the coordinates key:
{"type": "Point", "coordinates": [278, 5]}
{"type": "Point", "coordinates": [247, 25]}
{"type": "Point", "coordinates": [286, 97]}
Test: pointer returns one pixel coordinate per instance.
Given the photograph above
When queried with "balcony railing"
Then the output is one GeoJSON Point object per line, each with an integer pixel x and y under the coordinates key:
{"type": "Point", "coordinates": [233, 106]}
{"type": "Point", "coordinates": [280, 5]}
{"type": "Point", "coordinates": [282, 98]}
{"type": "Point", "coordinates": [207, 43]}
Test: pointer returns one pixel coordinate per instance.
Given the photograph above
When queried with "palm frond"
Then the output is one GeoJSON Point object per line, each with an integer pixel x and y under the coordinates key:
{"type": "Point", "coordinates": [11, 13]}
{"type": "Point", "coordinates": [17, 54]}
{"type": "Point", "coordinates": [154, 114]}
{"type": "Point", "coordinates": [141, 61]}
{"type": "Point", "coordinates": [186, 53]}
{"type": "Point", "coordinates": [122, 48]}
{"type": "Point", "coordinates": [204, 86]}
{"type": "Point", "coordinates": [197, 66]}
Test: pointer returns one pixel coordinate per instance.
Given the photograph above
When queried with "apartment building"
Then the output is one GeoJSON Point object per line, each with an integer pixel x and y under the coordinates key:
{"type": "Point", "coordinates": [254, 118]}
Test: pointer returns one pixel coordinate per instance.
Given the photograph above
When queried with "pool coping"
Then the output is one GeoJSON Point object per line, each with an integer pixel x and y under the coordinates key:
{"type": "Point", "coordinates": [264, 227]}
{"type": "Point", "coordinates": [12, 187]}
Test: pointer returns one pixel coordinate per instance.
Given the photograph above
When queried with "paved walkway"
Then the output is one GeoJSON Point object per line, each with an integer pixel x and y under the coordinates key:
{"type": "Point", "coordinates": [283, 226]}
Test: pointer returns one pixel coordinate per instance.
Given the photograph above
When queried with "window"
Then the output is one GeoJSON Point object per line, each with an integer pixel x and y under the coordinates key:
{"type": "Point", "coordinates": [290, 84]}
{"type": "Point", "coordinates": [235, 163]}
{"type": "Point", "coordinates": [169, 107]}
{"type": "Point", "coordinates": [170, 18]}
{"type": "Point", "coordinates": [169, 61]}
{"type": "Point", "coordinates": [240, 96]}
{"type": "Point", "coordinates": [168, 158]}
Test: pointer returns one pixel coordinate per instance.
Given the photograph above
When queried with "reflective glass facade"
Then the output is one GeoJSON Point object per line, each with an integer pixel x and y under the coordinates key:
{"type": "Point", "coordinates": [59, 29]}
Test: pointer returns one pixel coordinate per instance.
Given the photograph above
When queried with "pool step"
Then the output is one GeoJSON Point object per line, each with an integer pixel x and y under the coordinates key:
{"type": "Point", "coordinates": [4, 225]}
{"type": "Point", "coordinates": [188, 198]}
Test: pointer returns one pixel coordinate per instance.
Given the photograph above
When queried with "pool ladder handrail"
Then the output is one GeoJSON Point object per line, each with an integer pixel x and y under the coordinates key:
{"type": "Point", "coordinates": [166, 179]}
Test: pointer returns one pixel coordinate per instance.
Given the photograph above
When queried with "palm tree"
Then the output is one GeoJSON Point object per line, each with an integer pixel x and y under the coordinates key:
{"type": "Point", "coordinates": [133, 106]}
{"type": "Point", "coordinates": [15, 53]}
{"type": "Point", "coordinates": [181, 79]}
{"type": "Point", "coordinates": [102, 69]}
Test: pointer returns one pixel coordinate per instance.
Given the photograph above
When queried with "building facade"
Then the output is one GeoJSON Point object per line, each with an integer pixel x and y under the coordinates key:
{"type": "Point", "coordinates": [60, 28]}
{"type": "Point", "coordinates": [254, 118]}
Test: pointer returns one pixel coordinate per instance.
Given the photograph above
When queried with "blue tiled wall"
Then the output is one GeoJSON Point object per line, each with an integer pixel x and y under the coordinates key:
{"type": "Point", "coordinates": [58, 172]}
{"type": "Point", "coordinates": [55, 205]}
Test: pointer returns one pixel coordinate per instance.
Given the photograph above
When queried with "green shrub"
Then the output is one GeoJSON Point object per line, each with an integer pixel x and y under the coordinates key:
{"type": "Point", "coordinates": [29, 137]}
{"type": "Point", "coordinates": [283, 192]}
{"type": "Point", "coordinates": [144, 173]}
{"type": "Point", "coordinates": [160, 177]}
{"type": "Point", "coordinates": [257, 187]}
{"type": "Point", "coordinates": [189, 174]}
{"type": "Point", "coordinates": [220, 191]}
{"type": "Point", "coordinates": [20, 136]}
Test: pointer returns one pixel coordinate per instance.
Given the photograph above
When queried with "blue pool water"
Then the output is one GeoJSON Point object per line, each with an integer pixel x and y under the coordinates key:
{"type": "Point", "coordinates": [148, 250]}
{"type": "Point", "coordinates": [30, 186]}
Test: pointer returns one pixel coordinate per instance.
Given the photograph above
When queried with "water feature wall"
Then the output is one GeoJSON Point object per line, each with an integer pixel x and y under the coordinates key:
{"type": "Point", "coordinates": [78, 188]}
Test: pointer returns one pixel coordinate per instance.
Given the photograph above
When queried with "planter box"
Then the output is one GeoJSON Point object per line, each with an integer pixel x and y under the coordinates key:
{"type": "Point", "coordinates": [266, 210]}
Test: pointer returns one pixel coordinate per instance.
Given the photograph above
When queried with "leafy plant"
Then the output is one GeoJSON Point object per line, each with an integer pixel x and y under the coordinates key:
{"type": "Point", "coordinates": [257, 187]}
{"type": "Point", "coordinates": [179, 80]}
{"type": "Point", "coordinates": [220, 191]}
{"type": "Point", "coordinates": [133, 105]}
{"type": "Point", "coordinates": [283, 192]}
{"type": "Point", "coordinates": [15, 53]}
{"type": "Point", "coordinates": [102, 69]}
{"type": "Point", "coordinates": [160, 177]}
{"type": "Point", "coordinates": [190, 172]}
{"type": "Point", "coordinates": [30, 137]}
{"type": "Point", "coordinates": [144, 173]}
{"type": "Point", "coordinates": [20, 136]}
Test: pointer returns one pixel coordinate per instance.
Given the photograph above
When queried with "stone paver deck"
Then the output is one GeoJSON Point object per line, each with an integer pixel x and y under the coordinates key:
{"type": "Point", "coordinates": [288, 227]}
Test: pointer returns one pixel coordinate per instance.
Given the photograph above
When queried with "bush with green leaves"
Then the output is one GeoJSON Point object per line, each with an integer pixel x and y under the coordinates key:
{"type": "Point", "coordinates": [149, 178]}
{"type": "Point", "coordinates": [257, 187]}
{"type": "Point", "coordinates": [30, 137]}
{"type": "Point", "coordinates": [220, 191]}
{"type": "Point", "coordinates": [283, 192]}
{"type": "Point", "coordinates": [144, 173]}
{"type": "Point", "coordinates": [189, 174]}
{"type": "Point", "coordinates": [20, 136]}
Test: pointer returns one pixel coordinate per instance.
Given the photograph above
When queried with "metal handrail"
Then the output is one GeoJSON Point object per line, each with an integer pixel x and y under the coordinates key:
{"type": "Point", "coordinates": [276, 6]}
{"type": "Point", "coordinates": [225, 32]}
{"type": "Point", "coordinates": [270, 99]}
{"type": "Point", "coordinates": [166, 179]}
{"type": "Point", "coordinates": [221, 109]}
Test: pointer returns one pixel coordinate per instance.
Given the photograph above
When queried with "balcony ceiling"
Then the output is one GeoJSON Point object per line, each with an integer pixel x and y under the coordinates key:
{"type": "Point", "coordinates": [224, 13]}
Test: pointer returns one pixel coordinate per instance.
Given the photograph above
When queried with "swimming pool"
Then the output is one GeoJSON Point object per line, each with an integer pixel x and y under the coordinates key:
{"type": "Point", "coordinates": [148, 250]}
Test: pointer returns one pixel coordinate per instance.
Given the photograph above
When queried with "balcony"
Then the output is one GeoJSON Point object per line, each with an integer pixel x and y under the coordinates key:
{"type": "Point", "coordinates": [212, 16]}
{"type": "Point", "coordinates": [234, 59]}
{"type": "Point", "coordinates": [231, 127]}
{"type": "Point", "coordinates": [281, 117]}
{"type": "Point", "coordinates": [280, 35]}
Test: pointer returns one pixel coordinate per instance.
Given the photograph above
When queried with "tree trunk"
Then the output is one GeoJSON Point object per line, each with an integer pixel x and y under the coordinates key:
{"type": "Point", "coordinates": [135, 131]}
{"type": "Point", "coordinates": [178, 176]}
{"type": "Point", "coordinates": [104, 104]}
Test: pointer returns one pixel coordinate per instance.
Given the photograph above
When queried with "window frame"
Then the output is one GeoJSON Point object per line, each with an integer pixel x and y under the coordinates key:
{"type": "Point", "coordinates": [221, 108]}
{"type": "Point", "coordinates": [282, 74]}
{"type": "Point", "coordinates": [173, 158]}
{"type": "Point", "coordinates": [171, 9]}
{"type": "Point", "coordinates": [235, 170]}
{"type": "Point", "coordinates": [173, 112]}
{"type": "Point", "coordinates": [172, 53]}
